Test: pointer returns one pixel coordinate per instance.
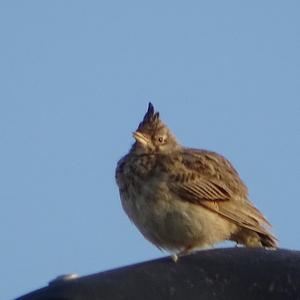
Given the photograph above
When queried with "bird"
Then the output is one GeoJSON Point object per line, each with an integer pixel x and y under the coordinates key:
{"type": "Point", "coordinates": [184, 199]}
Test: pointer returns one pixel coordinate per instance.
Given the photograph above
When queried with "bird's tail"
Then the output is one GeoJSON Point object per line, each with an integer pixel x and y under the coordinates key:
{"type": "Point", "coordinates": [268, 240]}
{"type": "Point", "coordinates": [254, 229]}
{"type": "Point", "coordinates": [255, 238]}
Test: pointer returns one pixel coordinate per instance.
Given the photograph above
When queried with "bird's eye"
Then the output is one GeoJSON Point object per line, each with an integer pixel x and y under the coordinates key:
{"type": "Point", "coordinates": [161, 139]}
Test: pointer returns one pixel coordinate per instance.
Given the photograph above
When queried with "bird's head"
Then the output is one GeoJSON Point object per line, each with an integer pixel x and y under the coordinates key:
{"type": "Point", "coordinates": [153, 136]}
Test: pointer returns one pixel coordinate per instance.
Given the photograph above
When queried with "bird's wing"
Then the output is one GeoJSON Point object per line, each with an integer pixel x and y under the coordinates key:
{"type": "Point", "coordinates": [209, 180]}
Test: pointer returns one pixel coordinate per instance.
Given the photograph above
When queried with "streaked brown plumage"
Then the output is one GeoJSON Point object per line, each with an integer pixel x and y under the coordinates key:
{"type": "Point", "coordinates": [183, 199]}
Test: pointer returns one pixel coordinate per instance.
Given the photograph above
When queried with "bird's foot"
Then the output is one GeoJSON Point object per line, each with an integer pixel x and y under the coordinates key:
{"type": "Point", "coordinates": [184, 252]}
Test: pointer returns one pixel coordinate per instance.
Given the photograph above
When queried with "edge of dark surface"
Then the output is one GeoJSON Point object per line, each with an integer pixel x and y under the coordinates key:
{"type": "Point", "coordinates": [230, 273]}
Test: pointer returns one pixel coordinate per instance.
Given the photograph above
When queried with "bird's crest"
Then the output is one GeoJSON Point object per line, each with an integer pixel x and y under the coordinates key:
{"type": "Point", "coordinates": [150, 121]}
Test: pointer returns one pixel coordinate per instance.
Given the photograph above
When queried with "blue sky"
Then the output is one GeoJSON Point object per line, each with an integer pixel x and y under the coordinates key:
{"type": "Point", "coordinates": [76, 78]}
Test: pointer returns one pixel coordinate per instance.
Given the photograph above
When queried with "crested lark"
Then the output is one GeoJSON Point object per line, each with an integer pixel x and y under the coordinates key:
{"type": "Point", "coordinates": [183, 199]}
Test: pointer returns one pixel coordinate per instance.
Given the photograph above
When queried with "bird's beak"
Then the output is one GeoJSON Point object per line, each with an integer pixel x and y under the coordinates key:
{"type": "Point", "coordinates": [140, 138]}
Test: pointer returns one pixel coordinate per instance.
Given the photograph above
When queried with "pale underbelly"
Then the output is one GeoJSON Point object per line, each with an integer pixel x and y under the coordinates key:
{"type": "Point", "coordinates": [174, 225]}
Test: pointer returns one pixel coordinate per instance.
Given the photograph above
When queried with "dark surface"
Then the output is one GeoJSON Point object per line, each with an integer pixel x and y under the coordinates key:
{"type": "Point", "coordinates": [235, 273]}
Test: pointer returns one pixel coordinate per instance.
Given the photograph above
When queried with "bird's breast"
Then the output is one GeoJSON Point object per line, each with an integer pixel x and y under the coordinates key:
{"type": "Point", "coordinates": [140, 184]}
